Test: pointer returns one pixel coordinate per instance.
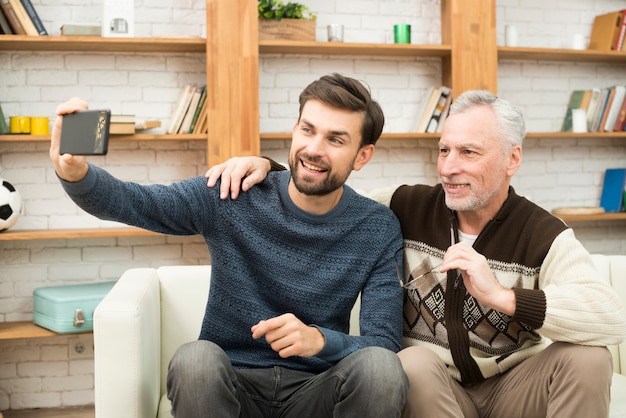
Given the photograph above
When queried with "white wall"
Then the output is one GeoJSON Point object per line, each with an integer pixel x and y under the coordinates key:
{"type": "Point", "coordinates": [48, 372]}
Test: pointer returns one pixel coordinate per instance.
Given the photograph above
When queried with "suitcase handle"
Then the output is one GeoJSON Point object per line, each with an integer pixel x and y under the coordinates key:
{"type": "Point", "coordinates": [79, 318]}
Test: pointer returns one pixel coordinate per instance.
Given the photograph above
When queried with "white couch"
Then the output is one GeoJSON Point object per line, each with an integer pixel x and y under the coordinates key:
{"type": "Point", "coordinates": [150, 312]}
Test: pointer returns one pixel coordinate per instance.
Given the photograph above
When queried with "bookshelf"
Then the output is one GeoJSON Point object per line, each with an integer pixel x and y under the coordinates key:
{"type": "Point", "coordinates": [95, 43]}
{"type": "Point", "coordinates": [24, 329]}
{"type": "Point", "coordinates": [121, 138]}
{"type": "Point", "coordinates": [566, 55]}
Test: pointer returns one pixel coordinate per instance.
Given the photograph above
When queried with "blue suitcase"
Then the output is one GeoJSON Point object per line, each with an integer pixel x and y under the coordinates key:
{"type": "Point", "coordinates": [68, 309]}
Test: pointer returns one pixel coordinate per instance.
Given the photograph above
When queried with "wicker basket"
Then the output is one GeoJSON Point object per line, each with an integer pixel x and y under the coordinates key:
{"type": "Point", "coordinates": [290, 29]}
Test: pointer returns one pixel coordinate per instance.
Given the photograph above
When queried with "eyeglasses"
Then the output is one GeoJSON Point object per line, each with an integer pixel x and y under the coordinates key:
{"type": "Point", "coordinates": [413, 281]}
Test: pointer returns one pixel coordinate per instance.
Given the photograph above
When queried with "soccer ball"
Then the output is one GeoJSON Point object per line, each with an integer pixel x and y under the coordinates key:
{"type": "Point", "coordinates": [10, 205]}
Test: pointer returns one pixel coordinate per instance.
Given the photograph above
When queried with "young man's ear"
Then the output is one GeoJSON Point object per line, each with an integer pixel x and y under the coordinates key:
{"type": "Point", "coordinates": [363, 157]}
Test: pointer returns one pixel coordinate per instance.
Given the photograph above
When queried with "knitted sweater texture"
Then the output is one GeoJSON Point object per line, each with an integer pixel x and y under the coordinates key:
{"type": "Point", "coordinates": [269, 258]}
{"type": "Point", "coordinates": [559, 294]}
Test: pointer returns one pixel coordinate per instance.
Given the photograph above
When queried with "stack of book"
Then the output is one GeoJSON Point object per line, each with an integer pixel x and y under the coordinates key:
{"type": "Point", "coordinates": [608, 32]}
{"type": "Point", "coordinates": [122, 124]}
{"type": "Point", "coordinates": [434, 110]}
{"type": "Point", "coordinates": [190, 112]}
{"type": "Point", "coordinates": [19, 17]}
{"type": "Point", "coordinates": [605, 109]}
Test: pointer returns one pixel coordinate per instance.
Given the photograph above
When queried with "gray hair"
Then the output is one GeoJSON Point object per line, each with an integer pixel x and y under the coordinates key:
{"type": "Point", "coordinates": [510, 118]}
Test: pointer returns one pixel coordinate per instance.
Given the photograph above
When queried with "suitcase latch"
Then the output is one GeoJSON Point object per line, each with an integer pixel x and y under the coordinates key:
{"type": "Point", "coordinates": [79, 318]}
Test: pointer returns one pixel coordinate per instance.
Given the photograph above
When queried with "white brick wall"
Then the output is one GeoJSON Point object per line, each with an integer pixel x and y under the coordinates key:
{"type": "Point", "coordinates": [48, 372]}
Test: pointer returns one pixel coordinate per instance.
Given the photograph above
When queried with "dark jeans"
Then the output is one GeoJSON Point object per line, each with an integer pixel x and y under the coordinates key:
{"type": "Point", "coordinates": [201, 382]}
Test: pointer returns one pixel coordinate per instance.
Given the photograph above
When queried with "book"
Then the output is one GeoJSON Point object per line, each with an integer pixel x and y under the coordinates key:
{"type": "Point", "coordinates": [597, 116]}
{"type": "Point", "coordinates": [445, 113]}
{"type": "Point", "coordinates": [613, 111]}
{"type": "Point", "coordinates": [11, 17]}
{"type": "Point", "coordinates": [23, 17]}
{"type": "Point", "coordinates": [121, 128]}
{"type": "Point", "coordinates": [5, 27]}
{"type": "Point", "coordinates": [34, 17]}
{"type": "Point", "coordinates": [143, 124]}
{"type": "Point", "coordinates": [591, 108]}
{"type": "Point", "coordinates": [81, 30]}
{"type": "Point", "coordinates": [612, 198]}
{"type": "Point", "coordinates": [620, 122]}
{"type": "Point", "coordinates": [619, 42]}
{"type": "Point", "coordinates": [584, 103]}
{"type": "Point", "coordinates": [182, 103]}
{"type": "Point", "coordinates": [199, 110]}
{"type": "Point", "coordinates": [428, 108]}
{"type": "Point", "coordinates": [202, 124]}
{"type": "Point", "coordinates": [607, 107]}
{"type": "Point", "coordinates": [446, 94]}
{"type": "Point", "coordinates": [575, 99]}
{"type": "Point", "coordinates": [118, 118]}
{"type": "Point", "coordinates": [605, 31]}
{"type": "Point", "coordinates": [191, 110]}
{"type": "Point", "coordinates": [4, 128]}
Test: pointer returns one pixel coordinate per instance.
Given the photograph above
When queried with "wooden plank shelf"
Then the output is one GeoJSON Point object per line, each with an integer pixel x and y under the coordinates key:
{"type": "Point", "coordinates": [25, 329]}
{"type": "Point", "coordinates": [412, 135]}
{"type": "Point", "coordinates": [34, 234]}
{"type": "Point", "coordinates": [346, 48]}
{"type": "Point", "coordinates": [101, 44]}
{"type": "Point", "coordinates": [409, 135]}
{"type": "Point", "coordinates": [601, 217]}
{"type": "Point", "coordinates": [554, 54]}
{"type": "Point", "coordinates": [113, 138]}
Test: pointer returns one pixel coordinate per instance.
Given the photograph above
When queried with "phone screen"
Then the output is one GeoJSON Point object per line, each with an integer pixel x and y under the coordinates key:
{"type": "Point", "coordinates": [85, 132]}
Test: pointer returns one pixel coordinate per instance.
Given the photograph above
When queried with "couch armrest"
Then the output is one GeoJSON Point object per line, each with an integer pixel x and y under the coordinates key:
{"type": "Point", "coordinates": [126, 323]}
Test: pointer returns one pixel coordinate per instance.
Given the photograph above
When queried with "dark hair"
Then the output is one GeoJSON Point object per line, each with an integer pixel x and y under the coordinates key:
{"type": "Point", "coordinates": [347, 93]}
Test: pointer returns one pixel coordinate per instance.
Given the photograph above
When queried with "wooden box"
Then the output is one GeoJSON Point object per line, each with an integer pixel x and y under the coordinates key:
{"type": "Point", "coordinates": [288, 29]}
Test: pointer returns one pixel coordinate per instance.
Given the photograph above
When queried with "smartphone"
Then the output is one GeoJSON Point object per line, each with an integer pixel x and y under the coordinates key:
{"type": "Point", "coordinates": [85, 132]}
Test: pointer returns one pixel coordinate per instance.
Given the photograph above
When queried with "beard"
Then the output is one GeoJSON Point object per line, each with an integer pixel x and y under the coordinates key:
{"type": "Point", "coordinates": [477, 199]}
{"type": "Point", "coordinates": [311, 186]}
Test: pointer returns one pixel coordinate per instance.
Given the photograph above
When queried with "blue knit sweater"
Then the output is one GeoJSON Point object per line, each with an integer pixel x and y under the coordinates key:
{"type": "Point", "coordinates": [269, 258]}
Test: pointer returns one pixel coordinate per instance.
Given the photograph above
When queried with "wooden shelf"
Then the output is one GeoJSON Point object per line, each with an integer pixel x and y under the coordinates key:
{"type": "Point", "coordinates": [135, 137]}
{"type": "Point", "coordinates": [409, 135]}
{"type": "Point", "coordinates": [35, 234]}
{"type": "Point", "coordinates": [602, 217]}
{"type": "Point", "coordinates": [14, 330]}
{"type": "Point", "coordinates": [551, 54]}
{"type": "Point", "coordinates": [284, 135]}
{"type": "Point", "coordinates": [346, 48]}
{"type": "Point", "coordinates": [100, 44]}
{"type": "Point", "coordinates": [572, 135]}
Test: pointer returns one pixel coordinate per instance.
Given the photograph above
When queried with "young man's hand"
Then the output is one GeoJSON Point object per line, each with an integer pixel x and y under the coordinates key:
{"type": "Point", "coordinates": [68, 167]}
{"type": "Point", "coordinates": [289, 336]}
{"type": "Point", "coordinates": [238, 174]}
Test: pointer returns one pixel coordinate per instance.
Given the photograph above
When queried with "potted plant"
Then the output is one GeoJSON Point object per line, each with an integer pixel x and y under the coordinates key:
{"type": "Point", "coordinates": [292, 21]}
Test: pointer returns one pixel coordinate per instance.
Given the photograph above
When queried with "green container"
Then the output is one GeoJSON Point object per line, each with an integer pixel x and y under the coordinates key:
{"type": "Point", "coordinates": [402, 34]}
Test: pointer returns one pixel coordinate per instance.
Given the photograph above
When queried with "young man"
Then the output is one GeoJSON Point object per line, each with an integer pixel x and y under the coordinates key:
{"type": "Point", "coordinates": [288, 262]}
{"type": "Point", "coordinates": [490, 278]}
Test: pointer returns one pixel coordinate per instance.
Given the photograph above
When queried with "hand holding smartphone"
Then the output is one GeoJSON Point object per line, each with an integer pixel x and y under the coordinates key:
{"type": "Point", "coordinates": [85, 132]}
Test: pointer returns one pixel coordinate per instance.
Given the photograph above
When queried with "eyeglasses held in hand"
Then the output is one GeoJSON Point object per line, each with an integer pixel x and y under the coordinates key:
{"type": "Point", "coordinates": [413, 281]}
